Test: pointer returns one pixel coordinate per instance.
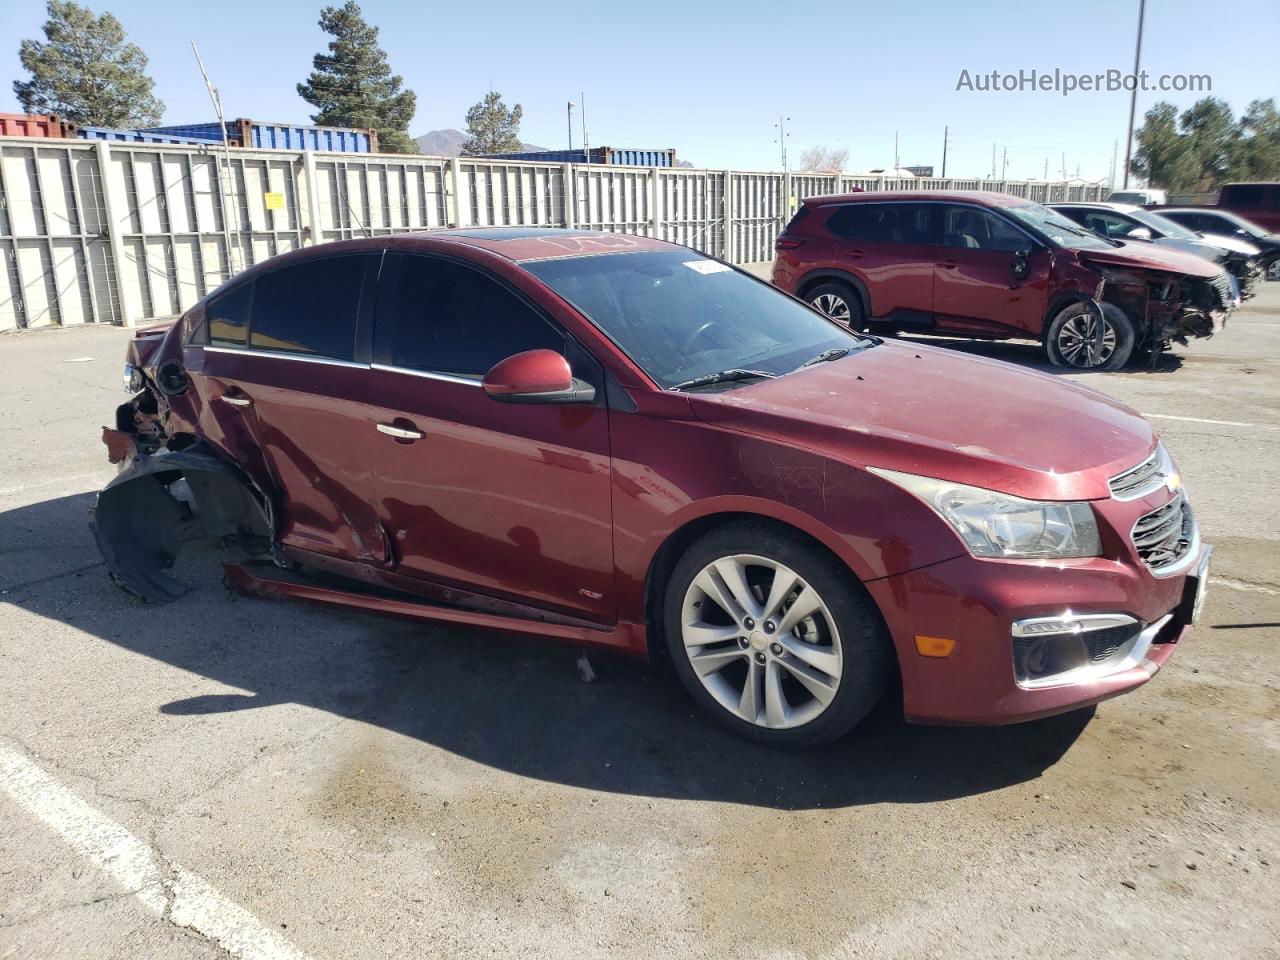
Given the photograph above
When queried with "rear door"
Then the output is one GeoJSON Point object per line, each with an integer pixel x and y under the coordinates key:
{"type": "Point", "coordinates": [508, 500]}
{"type": "Point", "coordinates": [889, 246]}
{"type": "Point", "coordinates": [284, 382]}
{"type": "Point", "coordinates": [975, 289]}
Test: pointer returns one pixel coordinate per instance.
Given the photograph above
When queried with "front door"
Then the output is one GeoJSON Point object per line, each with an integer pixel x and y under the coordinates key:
{"type": "Point", "coordinates": [888, 245]}
{"type": "Point", "coordinates": [975, 290]}
{"type": "Point", "coordinates": [508, 500]}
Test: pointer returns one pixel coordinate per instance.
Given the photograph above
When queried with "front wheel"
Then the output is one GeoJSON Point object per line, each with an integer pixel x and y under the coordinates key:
{"type": "Point", "coordinates": [774, 637]}
{"type": "Point", "coordinates": [1077, 340]}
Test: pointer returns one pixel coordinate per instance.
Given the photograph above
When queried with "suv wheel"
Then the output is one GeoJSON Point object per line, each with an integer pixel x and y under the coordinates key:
{"type": "Point", "coordinates": [774, 637]}
{"type": "Point", "coordinates": [839, 302]}
{"type": "Point", "coordinates": [1075, 339]}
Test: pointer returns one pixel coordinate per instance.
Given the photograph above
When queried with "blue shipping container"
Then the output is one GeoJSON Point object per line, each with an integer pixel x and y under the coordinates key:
{"type": "Point", "coordinates": [281, 136]}
{"type": "Point", "coordinates": [136, 136]}
{"type": "Point", "coordinates": [614, 155]}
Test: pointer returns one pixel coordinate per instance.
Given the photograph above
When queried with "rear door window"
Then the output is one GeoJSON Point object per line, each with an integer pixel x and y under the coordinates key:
{"type": "Point", "coordinates": [439, 316]}
{"type": "Point", "coordinates": [310, 308]}
{"type": "Point", "coordinates": [883, 222]}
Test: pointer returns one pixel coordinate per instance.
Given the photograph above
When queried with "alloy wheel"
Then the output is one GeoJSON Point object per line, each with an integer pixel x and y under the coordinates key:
{"type": "Point", "coordinates": [834, 306]}
{"type": "Point", "coordinates": [1086, 341]}
{"type": "Point", "coordinates": [762, 641]}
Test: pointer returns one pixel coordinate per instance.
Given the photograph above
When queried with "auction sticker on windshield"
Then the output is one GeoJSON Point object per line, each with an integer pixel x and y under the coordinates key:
{"type": "Point", "coordinates": [707, 266]}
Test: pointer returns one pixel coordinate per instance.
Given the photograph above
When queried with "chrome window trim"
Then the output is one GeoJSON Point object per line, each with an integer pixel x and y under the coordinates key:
{"type": "Point", "coordinates": [1126, 657]}
{"type": "Point", "coordinates": [281, 355]}
{"type": "Point", "coordinates": [426, 374]}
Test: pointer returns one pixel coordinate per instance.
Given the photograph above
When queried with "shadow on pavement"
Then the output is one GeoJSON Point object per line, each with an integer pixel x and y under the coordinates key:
{"type": "Point", "coordinates": [1027, 354]}
{"type": "Point", "coordinates": [512, 703]}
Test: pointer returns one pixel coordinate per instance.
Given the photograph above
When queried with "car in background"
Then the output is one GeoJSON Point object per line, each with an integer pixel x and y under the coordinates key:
{"type": "Point", "coordinates": [1120, 221]}
{"type": "Point", "coordinates": [1147, 197]}
{"type": "Point", "coordinates": [993, 266]}
{"type": "Point", "coordinates": [618, 442]}
{"type": "Point", "coordinates": [1259, 202]}
{"type": "Point", "coordinates": [1215, 221]}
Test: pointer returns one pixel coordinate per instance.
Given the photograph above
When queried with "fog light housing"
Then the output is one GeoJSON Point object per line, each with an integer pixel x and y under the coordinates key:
{"type": "Point", "coordinates": [1049, 651]}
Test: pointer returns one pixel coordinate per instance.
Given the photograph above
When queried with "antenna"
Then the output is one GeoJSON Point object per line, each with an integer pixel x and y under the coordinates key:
{"type": "Point", "coordinates": [226, 154]}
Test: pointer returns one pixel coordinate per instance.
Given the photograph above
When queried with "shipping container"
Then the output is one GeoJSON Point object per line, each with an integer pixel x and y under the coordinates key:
{"type": "Point", "coordinates": [35, 125]}
{"type": "Point", "coordinates": [139, 136]}
{"type": "Point", "coordinates": [613, 155]}
{"type": "Point", "coordinates": [281, 136]}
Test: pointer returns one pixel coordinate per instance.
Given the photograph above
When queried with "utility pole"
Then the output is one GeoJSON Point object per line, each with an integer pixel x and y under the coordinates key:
{"type": "Point", "coordinates": [1115, 147]}
{"type": "Point", "coordinates": [993, 161]}
{"type": "Point", "coordinates": [1004, 164]}
{"type": "Point", "coordinates": [895, 153]}
{"type": "Point", "coordinates": [227, 186]}
{"type": "Point", "coordinates": [582, 99]}
{"type": "Point", "coordinates": [1046, 168]}
{"type": "Point", "coordinates": [944, 153]}
{"type": "Point", "coordinates": [1133, 95]}
{"type": "Point", "coordinates": [569, 113]}
{"type": "Point", "coordinates": [781, 127]}
{"type": "Point", "coordinates": [1063, 168]}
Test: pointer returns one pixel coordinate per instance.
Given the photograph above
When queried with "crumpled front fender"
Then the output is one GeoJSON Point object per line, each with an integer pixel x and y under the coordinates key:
{"type": "Point", "coordinates": [136, 518]}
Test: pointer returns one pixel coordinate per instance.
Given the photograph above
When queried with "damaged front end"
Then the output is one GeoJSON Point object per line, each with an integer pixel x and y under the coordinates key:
{"type": "Point", "coordinates": [1168, 307]}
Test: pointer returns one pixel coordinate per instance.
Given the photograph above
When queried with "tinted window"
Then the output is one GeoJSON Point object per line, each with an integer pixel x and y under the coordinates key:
{"type": "Point", "coordinates": [882, 222]}
{"type": "Point", "coordinates": [309, 308]}
{"type": "Point", "coordinates": [973, 229]}
{"type": "Point", "coordinates": [1102, 221]}
{"type": "Point", "coordinates": [229, 317]}
{"type": "Point", "coordinates": [1249, 195]}
{"type": "Point", "coordinates": [442, 317]}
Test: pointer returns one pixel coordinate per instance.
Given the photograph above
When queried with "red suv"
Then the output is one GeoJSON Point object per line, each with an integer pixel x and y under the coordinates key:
{"type": "Point", "coordinates": [619, 442]}
{"type": "Point", "coordinates": [993, 266]}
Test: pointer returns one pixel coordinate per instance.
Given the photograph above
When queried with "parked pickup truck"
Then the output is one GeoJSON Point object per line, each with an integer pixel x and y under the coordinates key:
{"type": "Point", "coordinates": [1259, 202]}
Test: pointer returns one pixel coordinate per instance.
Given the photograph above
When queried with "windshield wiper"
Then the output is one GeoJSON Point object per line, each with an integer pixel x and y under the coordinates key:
{"type": "Point", "coordinates": [824, 356]}
{"type": "Point", "coordinates": [724, 376]}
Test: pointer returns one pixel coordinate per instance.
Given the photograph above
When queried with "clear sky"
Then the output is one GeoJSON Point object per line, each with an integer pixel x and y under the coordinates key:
{"type": "Point", "coordinates": [710, 77]}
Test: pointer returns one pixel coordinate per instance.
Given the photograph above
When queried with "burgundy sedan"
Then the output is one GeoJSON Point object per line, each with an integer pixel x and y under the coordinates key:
{"type": "Point", "coordinates": [619, 442]}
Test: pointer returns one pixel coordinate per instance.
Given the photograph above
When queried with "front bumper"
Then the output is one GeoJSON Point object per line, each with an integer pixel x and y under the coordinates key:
{"type": "Point", "coordinates": [977, 603]}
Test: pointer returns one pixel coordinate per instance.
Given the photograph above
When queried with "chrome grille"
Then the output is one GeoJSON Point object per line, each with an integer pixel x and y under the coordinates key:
{"type": "Point", "coordinates": [1165, 535]}
{"type": "Point", "coordinates": [1146, 477]}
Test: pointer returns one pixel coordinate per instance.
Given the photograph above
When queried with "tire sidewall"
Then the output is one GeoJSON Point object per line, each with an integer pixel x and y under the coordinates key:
{"type": "Point", "coordinates": [1114, 317]}
{"type": "Point", "coordinates": [865, 646]}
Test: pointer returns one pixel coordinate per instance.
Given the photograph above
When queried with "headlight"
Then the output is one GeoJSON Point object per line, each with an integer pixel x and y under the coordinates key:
{"type": "Point", "coordinates": [133, 379]}
{"type": "Point", "coordinates": [995, 524]}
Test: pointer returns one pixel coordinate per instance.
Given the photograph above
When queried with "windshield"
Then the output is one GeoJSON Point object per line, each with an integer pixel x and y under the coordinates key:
{"type": "Point", "coordinates": [680, 315]}
{"type": "Point", "coordinates": [1056, 227]}
{"type": "Point", "coordinates": [1163, 225]}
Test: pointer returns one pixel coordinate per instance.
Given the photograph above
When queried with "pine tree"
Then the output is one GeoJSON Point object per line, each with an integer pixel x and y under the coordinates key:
{"type": "Point", "coordinates": [86, 72]}
{"type": "Point", "coordinates": [492, 128]}
{"type": "Point", "coordinates": [352, 85]}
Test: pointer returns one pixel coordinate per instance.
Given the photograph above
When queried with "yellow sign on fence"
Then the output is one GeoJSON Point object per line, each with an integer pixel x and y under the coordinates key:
{"type": "Point", "coordinates": [273, 201]}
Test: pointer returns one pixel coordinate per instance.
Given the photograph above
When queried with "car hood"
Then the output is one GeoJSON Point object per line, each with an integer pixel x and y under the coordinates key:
{"type": "Point", "coordinates": [944, 414]}
{"type": "Point", "coordinates": [1149, 256]}
{"type": "Point", "coordinates": [1234, 244]}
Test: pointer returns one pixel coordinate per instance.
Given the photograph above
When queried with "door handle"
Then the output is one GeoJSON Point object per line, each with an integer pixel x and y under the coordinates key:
{"type": "Point", "coordinates": [948, 264]}
{"type": "Point", "coordinates": [400, 433]}
{"type": "Point", "coordinates": [853, 253]}
{"type": "Point", "coordinates": [237, 401]}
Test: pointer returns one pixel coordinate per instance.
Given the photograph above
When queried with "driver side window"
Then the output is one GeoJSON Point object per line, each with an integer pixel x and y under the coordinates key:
{"type": "Point", "coordinates": [438, 316]}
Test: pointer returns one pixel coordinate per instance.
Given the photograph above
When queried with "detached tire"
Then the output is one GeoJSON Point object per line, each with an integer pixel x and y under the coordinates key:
{"type": "Point", "coordinates": [840, 302]}
{"type": "Point", "coordinates": [1074, 340]}
{"type": "Point", "coordinates": [773, 637]}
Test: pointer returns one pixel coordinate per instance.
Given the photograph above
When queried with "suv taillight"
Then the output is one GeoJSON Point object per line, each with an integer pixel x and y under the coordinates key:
{"type": "Point", "coordinates": [787, 243]}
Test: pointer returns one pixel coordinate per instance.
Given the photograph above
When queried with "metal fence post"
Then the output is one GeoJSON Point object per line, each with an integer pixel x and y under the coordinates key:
{"type": "Point", "coordinates": [455, 202]}
{"type": "Point", "coordinates": [312, 220]}
{"type": "Point", "coordinates": [655, 201]}
{"type": "Point", "coordinates": [570, 202]}
{"type": "Point", "coordinates": [111, 208]}
{"type": "Point", "coordinates": [727, 215]}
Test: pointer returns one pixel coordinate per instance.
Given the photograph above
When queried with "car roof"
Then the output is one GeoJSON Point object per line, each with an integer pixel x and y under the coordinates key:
{"type": "Point", "coordinates": [984, 198]}
{"type": "Point", "coordinates": [523, 244]}
{"type": "Point", "coordinates": [1118, 207]}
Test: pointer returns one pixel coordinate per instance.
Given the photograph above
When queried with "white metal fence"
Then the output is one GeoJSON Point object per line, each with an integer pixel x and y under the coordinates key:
{"type": "Point", "coordinates": [97, 232]}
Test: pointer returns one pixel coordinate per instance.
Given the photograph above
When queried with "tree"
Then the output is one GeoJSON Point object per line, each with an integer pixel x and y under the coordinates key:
{"type": "Point", "coordinates": [492, 128]}
{"type": "Point", "coordinates": [1206, 146]}
{"type": "Point", "coordinates": [825, 159]}
{"type": "Point", "coordinates": [352, 85]}
{"type": "Point", "coordinates": [86, 72]}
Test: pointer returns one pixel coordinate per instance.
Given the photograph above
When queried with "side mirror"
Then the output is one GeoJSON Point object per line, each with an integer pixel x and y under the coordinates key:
{"type": "Point", "coordinates": [536, 376]}
{"type": "Point", "coordinates": [1138, 233]}
{"type": "Point", "coordinates": [1019, 266]}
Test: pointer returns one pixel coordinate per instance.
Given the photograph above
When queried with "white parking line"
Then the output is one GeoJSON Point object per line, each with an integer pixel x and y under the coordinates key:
{"type": "Point", "coordinates": [1244, 587]}
{"type": "Point", "coordinates": [172, 893]}
{"type": "Point", "coordinates": [1216, 423]}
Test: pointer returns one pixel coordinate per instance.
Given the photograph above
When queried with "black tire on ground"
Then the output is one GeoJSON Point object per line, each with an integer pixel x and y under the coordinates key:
{"type": "Point", "coordinates": [840, 302]}
{"type": "Point", "coordinates": [1063, 339]}
{"type": "Point", "coordinates": [866, 649]}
